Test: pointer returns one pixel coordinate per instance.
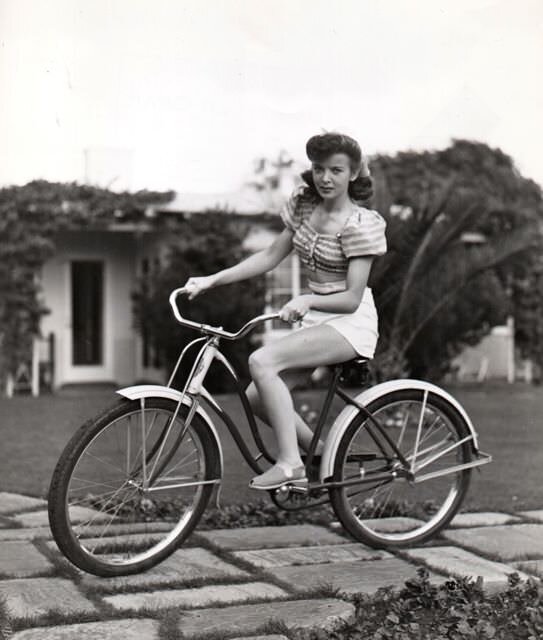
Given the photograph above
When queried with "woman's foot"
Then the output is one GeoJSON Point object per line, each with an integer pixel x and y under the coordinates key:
{"type": "Point", "coordinates": [277, 476]}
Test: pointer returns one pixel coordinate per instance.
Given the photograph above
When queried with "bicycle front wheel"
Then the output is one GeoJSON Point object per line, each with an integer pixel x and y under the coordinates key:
{"type": "Point", "coordinates": [400, 503]}
{"type": "Point", "coordinates": [131, 485]}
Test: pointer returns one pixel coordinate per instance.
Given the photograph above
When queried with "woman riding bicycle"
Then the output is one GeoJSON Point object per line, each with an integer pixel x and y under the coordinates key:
{"type": "Point", "coordinates": [336, 238]}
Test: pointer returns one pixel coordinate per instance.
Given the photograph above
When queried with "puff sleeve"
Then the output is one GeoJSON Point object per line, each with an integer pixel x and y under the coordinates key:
{"type": "Point", "coordinates": [364, 235]}
{"type": "Point", "coordinates": [290, 212]}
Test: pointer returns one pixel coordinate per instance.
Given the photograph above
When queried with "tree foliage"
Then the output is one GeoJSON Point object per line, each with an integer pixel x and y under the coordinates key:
{"type": "Point", "coordinates": [436, 290]}
{"type": "Point", "coordinates": [203, 244]}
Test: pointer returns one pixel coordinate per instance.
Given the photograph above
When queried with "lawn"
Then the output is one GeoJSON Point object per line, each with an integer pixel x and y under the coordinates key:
{"type": "Point", "coordinates": [508, 418]}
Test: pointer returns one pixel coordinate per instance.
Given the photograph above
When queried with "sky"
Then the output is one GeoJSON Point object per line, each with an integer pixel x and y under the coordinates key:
{"type": "Point", "coordinates": [185, 94]}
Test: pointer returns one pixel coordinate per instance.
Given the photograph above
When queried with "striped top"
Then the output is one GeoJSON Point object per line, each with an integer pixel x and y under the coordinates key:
{"type": "Point", "coordinates": [363, 234]}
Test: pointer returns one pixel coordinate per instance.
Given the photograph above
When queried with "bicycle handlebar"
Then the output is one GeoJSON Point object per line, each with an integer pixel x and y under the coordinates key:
{"type": "Point", "coordinates": [216, 331]}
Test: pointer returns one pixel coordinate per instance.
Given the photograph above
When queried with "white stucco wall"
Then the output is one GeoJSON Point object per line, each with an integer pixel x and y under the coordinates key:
{"type": "Point", "coordinates": [118, 252]}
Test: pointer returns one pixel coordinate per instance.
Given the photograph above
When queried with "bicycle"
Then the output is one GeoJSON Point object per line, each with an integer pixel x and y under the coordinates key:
{"type": "Point", "coordinates": [131, 484]}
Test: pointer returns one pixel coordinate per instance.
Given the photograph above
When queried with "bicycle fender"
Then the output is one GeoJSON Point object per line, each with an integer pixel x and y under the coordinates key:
{"type": "Point", "coordinates": [140, 391]}
{"type": "Point", "coordinates": [369, 395]}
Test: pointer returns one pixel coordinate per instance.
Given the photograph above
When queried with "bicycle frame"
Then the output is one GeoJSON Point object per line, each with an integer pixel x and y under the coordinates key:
{"type": "Point", "coordinates": [194, 390]}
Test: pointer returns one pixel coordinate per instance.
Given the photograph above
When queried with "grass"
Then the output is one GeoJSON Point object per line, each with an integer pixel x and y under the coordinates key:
{"type": "Point", "coordinates": [35, 430]}
{"type": "Point", "coordinates": [508, 418]}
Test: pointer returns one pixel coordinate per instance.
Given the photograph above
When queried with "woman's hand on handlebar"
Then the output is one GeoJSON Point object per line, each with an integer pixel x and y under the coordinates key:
{"type": "Point", "coordinates": [194, 286]}
{"type": "Point", "coordinates": [295, 309]}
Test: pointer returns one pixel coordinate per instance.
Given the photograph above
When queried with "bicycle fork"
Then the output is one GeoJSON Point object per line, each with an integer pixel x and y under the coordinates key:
{"type": "Point", "coordinates": [192, 389]}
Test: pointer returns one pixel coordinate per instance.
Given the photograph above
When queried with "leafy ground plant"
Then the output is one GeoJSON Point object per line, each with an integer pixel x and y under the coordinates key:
{"type": "Point", "coordinates": [5, 626]}
{"type": "Point", "coordinates": [456, 610]}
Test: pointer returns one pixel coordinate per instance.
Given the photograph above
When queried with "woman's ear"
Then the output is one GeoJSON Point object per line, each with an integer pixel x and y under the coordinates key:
{"type": "Point", "coordinates": [354, 175]}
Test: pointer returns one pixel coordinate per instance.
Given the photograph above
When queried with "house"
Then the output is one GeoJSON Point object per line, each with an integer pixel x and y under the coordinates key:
{"type": "Point", "coordinates": [89, 334]}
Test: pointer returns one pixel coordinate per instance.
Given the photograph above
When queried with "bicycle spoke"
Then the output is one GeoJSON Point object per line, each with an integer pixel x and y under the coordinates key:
{"type": "Point", "coordinates": [184, 463]}
{"type": "Point", "coordinates": [89, 522]}
{"type": "Point", "coordinates": [110, 522]}
{"type": "Point", "coordinates": [105, 462]}
{"type": "Point", "coordinates": [429, 435]}
{"type": "Point", "coordinates": [105, 475]}
{"type": "Point", "coordinates": [93, 484]}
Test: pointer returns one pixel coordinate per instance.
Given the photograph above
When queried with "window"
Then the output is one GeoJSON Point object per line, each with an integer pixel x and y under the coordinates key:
{"type": "Point", "coordinates": [149, 270]}
{"type": "Point", "coordinates": [87, 312]}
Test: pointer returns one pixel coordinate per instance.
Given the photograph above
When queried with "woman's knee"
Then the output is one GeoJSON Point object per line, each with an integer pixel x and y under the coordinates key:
{"type": "Point", "coordinates": [261, 364]}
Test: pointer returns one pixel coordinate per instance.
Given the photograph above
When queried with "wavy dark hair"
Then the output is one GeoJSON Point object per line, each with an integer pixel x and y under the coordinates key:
{"type": "Point", "coordinates": [322, 146]}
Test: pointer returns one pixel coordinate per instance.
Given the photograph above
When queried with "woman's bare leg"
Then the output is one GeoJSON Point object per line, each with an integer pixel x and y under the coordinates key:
{"type": "Point", "coordinates": [304, 349]}
{"type": "Point", "coordinates": [303, 431]}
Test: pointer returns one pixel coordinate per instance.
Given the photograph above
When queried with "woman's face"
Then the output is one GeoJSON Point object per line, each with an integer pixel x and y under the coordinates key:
{"type": "Point", "coordinates": [332, 175]}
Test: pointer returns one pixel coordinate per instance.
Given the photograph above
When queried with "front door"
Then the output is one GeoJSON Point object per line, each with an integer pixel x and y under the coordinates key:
{"type": "Point", "coordinates": [87, 344]}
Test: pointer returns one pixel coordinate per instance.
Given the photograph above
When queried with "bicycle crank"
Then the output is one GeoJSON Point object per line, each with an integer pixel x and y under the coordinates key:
{"type": "Point", "coordinates": [291, 497]}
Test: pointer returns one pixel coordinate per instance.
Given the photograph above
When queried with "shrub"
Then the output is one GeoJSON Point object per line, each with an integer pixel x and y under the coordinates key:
{"type": "Point", "coordinates": [201, 245]}
{"type": "Point", "coordinates": [459, 609]}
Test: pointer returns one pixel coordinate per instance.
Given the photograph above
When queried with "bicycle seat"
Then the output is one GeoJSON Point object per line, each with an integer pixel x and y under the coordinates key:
{"type": "Point", "coordinates": [356, 368]}
{"type": "Point", "coordinates": [359, 360]}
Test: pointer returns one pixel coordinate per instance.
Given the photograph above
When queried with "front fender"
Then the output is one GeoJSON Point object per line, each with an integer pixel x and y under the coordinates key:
{"type": "Point", "coordinates": [369, 395]}
{"type": "Point", "coordinates": [140, 391]}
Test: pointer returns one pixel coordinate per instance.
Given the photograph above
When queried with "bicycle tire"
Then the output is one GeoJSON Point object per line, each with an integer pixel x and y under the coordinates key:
{"type": "Point", "coordinates": [127, 530]}
{"type": "Point", "coordinates": [396, 512]}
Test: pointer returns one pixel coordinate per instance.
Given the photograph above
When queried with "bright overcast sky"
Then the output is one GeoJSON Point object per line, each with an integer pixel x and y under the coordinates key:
{"type": "Point", "coordinates": [184, 94]}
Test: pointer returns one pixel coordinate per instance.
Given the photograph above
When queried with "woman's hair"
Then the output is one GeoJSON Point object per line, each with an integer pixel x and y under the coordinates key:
{"type": "Point", "coordinates": [322, 146]}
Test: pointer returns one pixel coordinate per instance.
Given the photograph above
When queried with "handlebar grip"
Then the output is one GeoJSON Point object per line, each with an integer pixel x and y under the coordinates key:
{"type": "Point", "coordinates": [173, 305]}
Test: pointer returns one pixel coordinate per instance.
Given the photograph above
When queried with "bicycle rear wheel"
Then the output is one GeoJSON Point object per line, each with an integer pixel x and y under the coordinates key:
{"type": "Point", "coordinates": [104, 516]}
{"type": "Point", "coordinates": [392, 508]}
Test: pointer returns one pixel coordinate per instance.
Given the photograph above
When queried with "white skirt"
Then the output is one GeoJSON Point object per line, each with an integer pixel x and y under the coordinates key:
{"type": "Point", "coordinates": [359, 328]}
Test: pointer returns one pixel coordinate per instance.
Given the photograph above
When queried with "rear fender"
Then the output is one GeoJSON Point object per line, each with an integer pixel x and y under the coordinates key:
{"type": "Point", "coordinates": [343, 420]}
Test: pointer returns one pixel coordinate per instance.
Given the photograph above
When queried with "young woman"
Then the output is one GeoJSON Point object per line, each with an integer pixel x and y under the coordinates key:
{"type": "Point", "coordinates": [336, 238]}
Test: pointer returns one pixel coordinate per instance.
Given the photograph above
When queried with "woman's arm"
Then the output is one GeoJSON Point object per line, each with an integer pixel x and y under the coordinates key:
{"type": "Point", "coordinates": [346, 301]}
{"type": "Point", "coordinates": [255, 265]}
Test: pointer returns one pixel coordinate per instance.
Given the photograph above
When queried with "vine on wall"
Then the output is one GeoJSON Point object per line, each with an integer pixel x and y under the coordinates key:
{"type": "Point", "coordinates": [30, 217]}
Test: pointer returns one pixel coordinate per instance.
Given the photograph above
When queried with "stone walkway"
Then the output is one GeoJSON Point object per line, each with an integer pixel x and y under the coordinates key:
{"type": "Point", "coordinates": [236, 581]}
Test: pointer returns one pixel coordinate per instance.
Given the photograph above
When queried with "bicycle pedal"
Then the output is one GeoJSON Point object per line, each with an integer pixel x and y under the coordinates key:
{"type": "Point", "coordinates": [298, 486]}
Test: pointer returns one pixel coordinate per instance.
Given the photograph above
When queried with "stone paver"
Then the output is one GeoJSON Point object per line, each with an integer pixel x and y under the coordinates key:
{"type": "Point", "coordinates": [272, 637]}
{"type": "Point", "coordinates": [37, 596]}
{"type": "Point", "coordinates": [483, 519]}
{"type": "Point", "coordinates": [196, 597]}
{"type": "Point", "coordinates": [301, 557]}
{"type": "Point", "coordinates": [22, 560]}
{"type": "Point", "coordinates": [41, 518]}
{"type": "Point", "coordinates": [349, 577]}
{"type": "Point", "coordinates": [184, 565]}
{"type": "Point", "coordinates": [533, 515]}
{"type": "Point", "coordinates": [249, 617]}
{"type": "Point", "coordinates": [461, 563]}
{"type": "Point", "coordinates": [509, 542]}
{"type": "Point", "coordinates": [119, 533]}
{"type": "Point", "coordinates": [112, 543]}
{"type": "Point", "coordinates": [13, 502]}
{"type": "Point", "coordinates": [265, 537]}
{"type": "Point", "coordinates": [534, 567]}
{"type": "Point", "coordinates": [122, 528]}
{"type": "Point", "coordinates": [25, 534]}
{"type": "Point", "coordinates": [309, 555]}
{"type": "Point", "coordinates": [390, 525]}
{"type": "Point", "coordinates": [129, 629]}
